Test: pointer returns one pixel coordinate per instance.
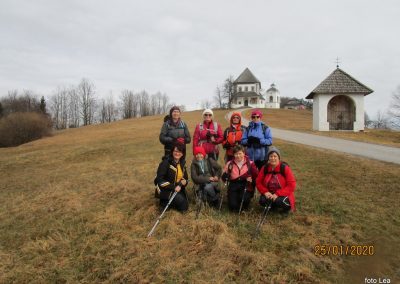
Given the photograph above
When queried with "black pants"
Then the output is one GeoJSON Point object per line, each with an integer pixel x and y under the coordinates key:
{"type": "Point", "coordinates": [259, 164]}
{"type": "Point", "coordinates": [213, 155]}
{"type": "Point", "coordinates": [208, 192]}
{"type": "Point", "coordinates": [179, 203]}
{"type": "Point", "coordinates": [235, 195]}
{"type": "Point", "coordinates": [282, 203]}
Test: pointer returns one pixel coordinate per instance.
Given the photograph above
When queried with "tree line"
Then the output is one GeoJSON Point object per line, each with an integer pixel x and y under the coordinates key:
{"type": "Point", "coordinates": [24, 117]}
{"type": "Point", "coordinates": [75, 106]}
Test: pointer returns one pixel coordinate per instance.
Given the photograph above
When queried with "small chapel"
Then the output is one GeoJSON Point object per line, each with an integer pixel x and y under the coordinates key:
{"type": "Point", "coordinates": [338, 103]}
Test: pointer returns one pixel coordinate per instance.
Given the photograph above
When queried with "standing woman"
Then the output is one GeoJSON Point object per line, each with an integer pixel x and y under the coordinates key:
{"type": "Point", "coordinates": [257, 138]}
{"type": "Point", "coordinates": [174, 131]}
{"type": "Point", "coordinates": [172, 176]}
{"type": "Point", "coordinates": [208, 134]}
{"type": "Point", "coordinates": [241, 173]}
{"type": "Point", "coordinates": [276, 183]}
{"type": "Point", "coordinates": [233, 135]}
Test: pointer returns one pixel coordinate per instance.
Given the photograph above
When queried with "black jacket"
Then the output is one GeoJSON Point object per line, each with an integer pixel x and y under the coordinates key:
{"type": "Point", "coordinates": [166, 176]}
{"type": "Point", "coordinates": [169, 133]}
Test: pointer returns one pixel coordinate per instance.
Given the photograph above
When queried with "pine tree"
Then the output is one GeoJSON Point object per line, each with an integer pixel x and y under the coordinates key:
{"type": "Point", "coordinates": [43, 105]}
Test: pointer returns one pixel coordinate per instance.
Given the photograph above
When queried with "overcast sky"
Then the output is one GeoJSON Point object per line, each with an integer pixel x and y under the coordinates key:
{"type": "Point", "coordinates": [186, 48]}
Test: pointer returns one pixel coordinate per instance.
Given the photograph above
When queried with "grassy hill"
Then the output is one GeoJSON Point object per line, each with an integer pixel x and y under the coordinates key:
{"type": "Point", "coordinates": [77, 207]}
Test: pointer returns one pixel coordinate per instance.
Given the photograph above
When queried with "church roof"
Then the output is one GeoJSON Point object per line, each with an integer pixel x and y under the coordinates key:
{"type": "Point", "coordinates": [246, 77]}
{"type": "Point", "coordinates": [339, 82]}
{"type": "Point", "coordinates": [248, 95]}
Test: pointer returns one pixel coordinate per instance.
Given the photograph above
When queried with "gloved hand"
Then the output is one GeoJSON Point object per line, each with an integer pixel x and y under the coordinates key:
{"type": "Point", "coordinates": [180, 140]}
{"type": "Point", "coordinates": [225, 177]}
{"type": "Point", "coordinates": [253, 140]}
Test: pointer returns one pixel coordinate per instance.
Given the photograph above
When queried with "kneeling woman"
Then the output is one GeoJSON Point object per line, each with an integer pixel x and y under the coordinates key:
{"type": "Point", "coordinates": [172, 176]}
{"type": "Point", "coordinates": [205, 173]}
{"type": "Point", "coordinates": [241, 173]}
{"type": "Point", "coordinates": [276, 183]}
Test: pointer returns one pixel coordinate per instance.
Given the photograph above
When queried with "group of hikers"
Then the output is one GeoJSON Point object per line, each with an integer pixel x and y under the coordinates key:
{"type": "Point", "coordinates": [251, 162]}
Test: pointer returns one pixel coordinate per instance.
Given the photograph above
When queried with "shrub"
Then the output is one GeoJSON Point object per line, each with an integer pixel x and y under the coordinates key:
{"type": "Point", "coordinates": [22, 127]}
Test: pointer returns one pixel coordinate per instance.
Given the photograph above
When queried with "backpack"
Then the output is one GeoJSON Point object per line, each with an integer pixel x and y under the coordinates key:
{"type": "Point", "coordinates": [281, 169]}
{"type": "Point", "coordinates": [201, 126]}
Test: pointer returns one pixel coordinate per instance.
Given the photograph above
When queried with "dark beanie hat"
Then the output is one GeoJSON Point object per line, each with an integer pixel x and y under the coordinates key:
{"type": "Point", "coordinates": [172, 109]}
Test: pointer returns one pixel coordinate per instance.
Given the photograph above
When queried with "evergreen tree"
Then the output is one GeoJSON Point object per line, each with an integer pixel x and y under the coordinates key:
{"type": "Point", "coordinates": [43, 105]}
{"type": "Point", "coordinates": [1, 110]}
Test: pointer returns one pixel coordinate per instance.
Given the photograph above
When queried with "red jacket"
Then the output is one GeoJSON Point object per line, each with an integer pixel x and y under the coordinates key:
{"type": "Point", "coordinates": [200, 138]}
{"type": "Point", "coordinates": [287, 183]}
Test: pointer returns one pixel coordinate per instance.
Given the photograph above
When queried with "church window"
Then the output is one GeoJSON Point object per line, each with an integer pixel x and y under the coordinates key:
{"type": "Point", "coordinates": [271, 99]}
{"type": "Point", "coordinates": [246, 89]}
{"type": "Point", "coordinates": [252, 88]}
{"type": "Point", "coordinates": [240, 89]}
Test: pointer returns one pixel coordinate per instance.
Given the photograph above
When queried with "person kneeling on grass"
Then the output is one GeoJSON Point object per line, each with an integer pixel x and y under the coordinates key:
{"type": "Point", "coordinates": [172, 176]}
{"type": "Point", "coordinates": [206, 173]}
{"type": "Point", "coordinates": [276, 183]}
{"type": "Point", "coordinates": [241, 173]}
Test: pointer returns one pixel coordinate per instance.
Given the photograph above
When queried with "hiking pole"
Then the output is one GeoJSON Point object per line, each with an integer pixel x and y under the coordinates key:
{"type": "Point", "coordinates": [159, 218]}
{"type": "Point", "coordinates": [200, 199]}
{"type": "Point", "coordinates": [241, 203]}
{"type": "Point", "coordinates": [222, 197]}
{"type": "Point", "coordinates": [266, 209]}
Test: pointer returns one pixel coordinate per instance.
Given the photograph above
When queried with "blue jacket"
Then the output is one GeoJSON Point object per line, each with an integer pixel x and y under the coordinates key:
{"type": "Point", "coordinates": [257, 140]}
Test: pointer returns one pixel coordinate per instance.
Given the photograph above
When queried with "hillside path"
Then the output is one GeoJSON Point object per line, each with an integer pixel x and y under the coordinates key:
{"type": "Point", "coordinates": [368, 150]}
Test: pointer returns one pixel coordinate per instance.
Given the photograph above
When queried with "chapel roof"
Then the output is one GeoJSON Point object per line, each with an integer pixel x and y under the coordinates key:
{"type": "Point", "coordinates": [339, 82]}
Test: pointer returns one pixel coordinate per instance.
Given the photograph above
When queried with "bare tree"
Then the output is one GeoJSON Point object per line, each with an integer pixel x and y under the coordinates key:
{"type": "Point", "coordinates": [25, 102]}
{"type": "Point", "coordinates": [159, 100]}
{"type": "Point", "coordinates": [229, 91]}
{"type": "Point", "coordinates": [111, 109]}
{"type": "Point", "coordinates": [87, 101]}
{"type": "Point", "coordinates": [218, 97]}
{"type": "Point", "coordinates": [381, 121]}
{"type": "Point", "coordinates": [73, 107]}
{"type": "Point", "coordinates": [127, 106]}
{"type": "Point", "coordinates": [367, 121]}
{"type": "Point", "coordinates": [59, 107]}
{"type": "Point", "coordinates": [165, 105]}
{"type": "Point", "coordinates": [394, 109]}
{"type": "Point", "coordinates": [206, 104]}
{"type": "Point", "coordinates": [108, 111]}
{"type": "Point", "coordinates": [154, 101]}
{"type": "Point", "coordinates": [144, 103]}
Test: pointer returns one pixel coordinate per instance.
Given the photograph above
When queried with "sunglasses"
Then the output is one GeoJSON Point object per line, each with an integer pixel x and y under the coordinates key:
{"type": "Point", "coordinates": [207, 114]}
{"type": "Point", "coordinates": [236, 117]}
{"type": "Point", "coordinates": [255, 116]}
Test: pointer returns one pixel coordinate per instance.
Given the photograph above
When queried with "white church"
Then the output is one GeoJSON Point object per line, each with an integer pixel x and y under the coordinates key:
{"type": "Point", "coordinates": [249, 93]}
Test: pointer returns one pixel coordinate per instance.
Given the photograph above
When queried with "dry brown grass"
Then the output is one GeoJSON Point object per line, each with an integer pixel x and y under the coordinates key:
{"type": "Point", "coordinates": [301, 120]}
{"type": "Point", "coordinates": [76, 207]}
